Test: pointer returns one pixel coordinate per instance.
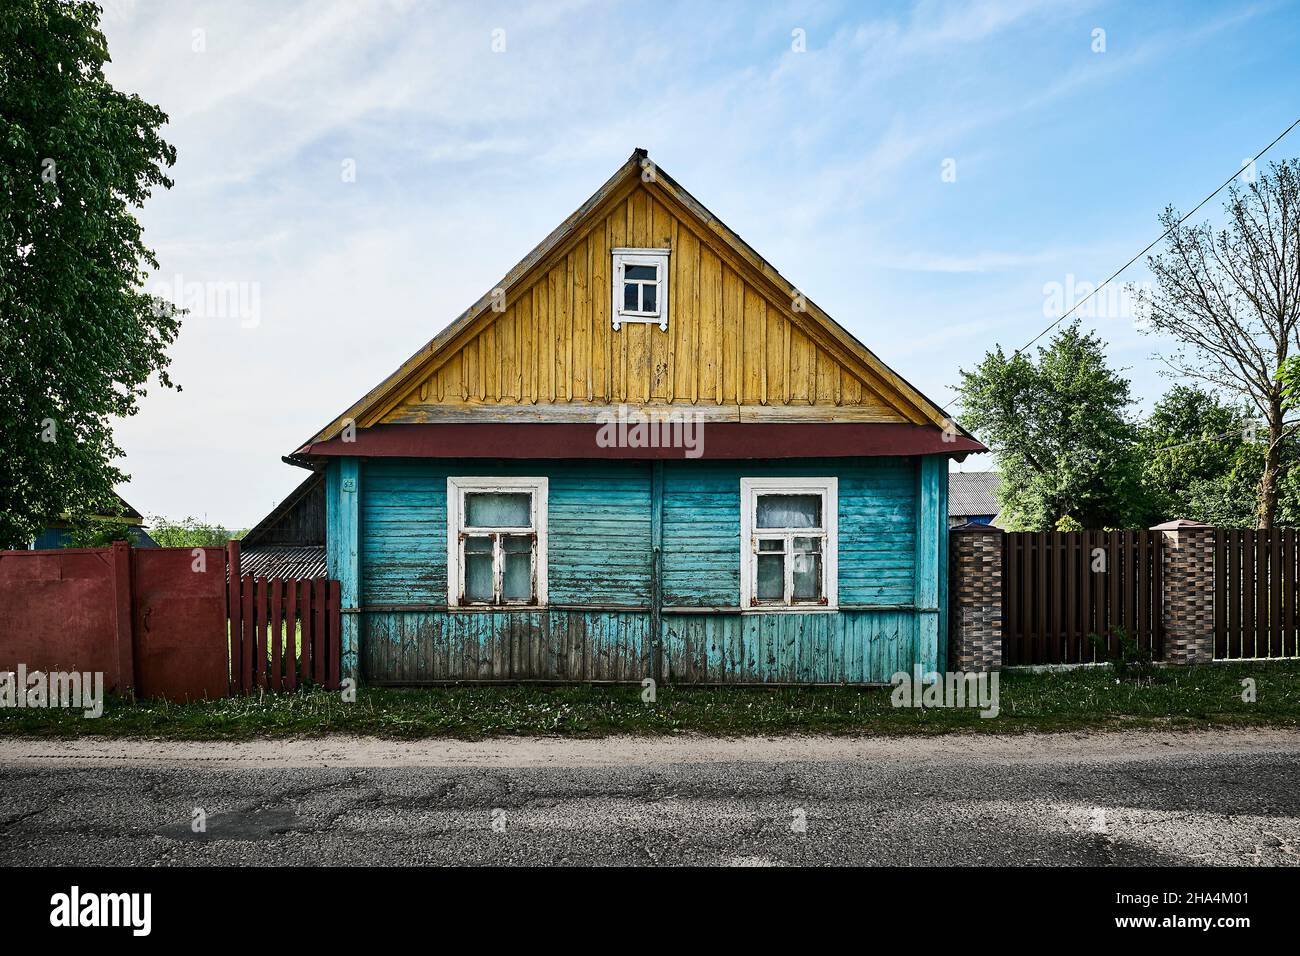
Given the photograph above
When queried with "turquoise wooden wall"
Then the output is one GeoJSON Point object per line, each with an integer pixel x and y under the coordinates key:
{"type": "Point", "coordinates": [602, 617]}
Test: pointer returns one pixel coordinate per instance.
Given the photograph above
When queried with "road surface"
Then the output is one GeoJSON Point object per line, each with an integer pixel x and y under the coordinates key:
{"type": "Point", "coordinates": [1228, 797]}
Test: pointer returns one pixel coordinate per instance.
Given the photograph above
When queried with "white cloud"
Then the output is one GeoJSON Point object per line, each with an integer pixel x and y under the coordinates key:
{"type": "Point", "coordinates": [465, 158]}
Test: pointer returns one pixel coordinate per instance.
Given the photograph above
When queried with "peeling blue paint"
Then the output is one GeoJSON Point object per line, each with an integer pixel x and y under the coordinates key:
{"type": "Point", "coordinates": [605, 519]}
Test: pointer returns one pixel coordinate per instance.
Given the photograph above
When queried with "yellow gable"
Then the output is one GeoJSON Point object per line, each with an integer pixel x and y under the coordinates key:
{"type": "Point", "coordinates": [740, 344]}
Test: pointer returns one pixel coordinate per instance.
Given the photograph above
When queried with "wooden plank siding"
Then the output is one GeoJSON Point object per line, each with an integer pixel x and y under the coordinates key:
{"type": "Point", "coordinates": [552, 354]}
{"type": "Point", "coordinates": [602, 617]}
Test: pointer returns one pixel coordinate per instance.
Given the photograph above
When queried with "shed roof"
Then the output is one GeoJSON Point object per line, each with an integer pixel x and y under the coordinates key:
{"type": "Point", "coordinates": [286, 563]}
{"type": "Point", "coordinates": [973, 493]}
{"type": "Point", "coordinates": [263, 533]}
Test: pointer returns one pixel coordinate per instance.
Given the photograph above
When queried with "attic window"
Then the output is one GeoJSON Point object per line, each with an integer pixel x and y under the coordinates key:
{"type": "Point", "coordinates": [640, 287]}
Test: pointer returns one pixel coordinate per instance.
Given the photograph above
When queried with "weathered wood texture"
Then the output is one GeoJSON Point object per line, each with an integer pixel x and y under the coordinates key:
{"type": "Point", "coordinates": [846, 647]}
{"type": "Point", "coordinates": [599, 533]}
{"type": "Point", "coordinates": [282, 632]}
{"type": "Point", "coordinates": [297, 521]}
{"type": "Point", "coordinates": [423, 646]}
{"type": "Point", "coordinates": [741, 341]}
{"type": "Point", "coordinates": [343, 491]}
{"type": "Point", "coordinates": [732, 343]}
{"type": "Point", "coordinates": [556, 645]}
{"type": "Point", "coordinates": [601, 616]}
{"type": "Point", "coordinates": [877, 531]}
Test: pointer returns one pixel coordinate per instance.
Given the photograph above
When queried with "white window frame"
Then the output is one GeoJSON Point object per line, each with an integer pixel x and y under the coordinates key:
{"type": "Point", "coordinates": [457, 488]}
{"type": "Point", "coordinates": [828, 489]}
{"type": "Point", "coordinates": [640, 257]}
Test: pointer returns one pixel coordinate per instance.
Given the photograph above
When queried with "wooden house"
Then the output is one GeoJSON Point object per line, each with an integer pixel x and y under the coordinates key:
{"type": "Point", "coordinates": [642, 454]}
{"type": "Point", "coordinates": [289, 543]}
{"type": "Point", "coordinates": [58, 532]}
{"type": "Point", "coordinates": [973, 498]}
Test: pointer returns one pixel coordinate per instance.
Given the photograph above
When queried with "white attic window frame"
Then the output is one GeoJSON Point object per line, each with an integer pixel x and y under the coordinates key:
{"type": "Point", "coordinates": [657, 259]}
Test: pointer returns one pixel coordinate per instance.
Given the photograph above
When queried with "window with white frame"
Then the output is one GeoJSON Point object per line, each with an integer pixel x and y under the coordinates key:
{"type": "Point", "coordinates": [640, 287]}
{"type": "Point", "coordinates": [496, 542]}
{"type": "Point", "coordinates": [789, 543]}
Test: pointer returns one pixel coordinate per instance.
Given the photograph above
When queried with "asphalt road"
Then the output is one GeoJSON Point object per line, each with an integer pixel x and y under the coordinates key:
{"type": "Point", "coordinates": [1114, 799]}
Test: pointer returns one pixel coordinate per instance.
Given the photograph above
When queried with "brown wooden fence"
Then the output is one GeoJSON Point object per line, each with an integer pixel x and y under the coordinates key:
{"type": "Point", "coordinates": [1255, 594]}
{"type": "Point", "coordinates": [282, 632]}
{"type": "Point", "coordinates": [1061, 587]}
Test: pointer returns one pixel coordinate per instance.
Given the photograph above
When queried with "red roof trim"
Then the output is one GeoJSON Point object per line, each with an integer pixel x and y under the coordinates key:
{"type": "Point", "coordinates": [720, 440]}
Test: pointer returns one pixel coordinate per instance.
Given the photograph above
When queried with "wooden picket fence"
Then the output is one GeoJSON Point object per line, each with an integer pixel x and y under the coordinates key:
{"type": "Point", "coordinates": [283, 633]}
{"type": "Point", "coordinates": [1255, 593]}
{"type": "Point", "coordinates": [1058, 588]}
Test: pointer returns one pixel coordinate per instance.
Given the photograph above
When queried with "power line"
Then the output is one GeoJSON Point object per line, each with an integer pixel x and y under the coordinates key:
{"type": "Point", "coordinates": [1160, 239]}
{"type": "Point", "coordinates": [1240, 432]}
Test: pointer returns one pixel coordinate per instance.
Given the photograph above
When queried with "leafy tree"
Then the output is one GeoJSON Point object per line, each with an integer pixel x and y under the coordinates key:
{"type": "Point", "coordinates": [1062, 429]}
{"type": "Point", "coordinates": [1195, 457]}
{"type": "Point", "coordinates": [93, 532]}
{"type": "Point", "coordinates": [1231, 299]}
{"type": "Point", "coordinates": [191, 533]}
{"type": "Point", "coordinates": [79, 338]}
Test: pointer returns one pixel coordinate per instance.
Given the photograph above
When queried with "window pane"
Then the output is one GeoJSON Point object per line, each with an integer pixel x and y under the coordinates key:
{"type": "Point", "coordinates": [492, 510]}
{"type": "Point", "coordinates": [807, 545]}
{"type": "Point", "coordinates": [771, 544]}
{"type": "Point", "coordinates": [807, 570]}
{"type": "Point", "coordinates": [640, 272]}
{"type": "Point", "coordinates": [771, 577]}
{"type": "Point", "coordinates": [478, 569]}
{"type": "Point", "coordinates": [789, 511]}
{"type": "Point", "coordinates": [517, 578]}
{"type": "Point", "coordinates": [648, 293]}
{"type": "Point", "coordinates": [630, 297]}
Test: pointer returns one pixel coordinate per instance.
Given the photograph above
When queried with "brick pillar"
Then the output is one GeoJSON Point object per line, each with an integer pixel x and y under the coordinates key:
{"type": "Point", "coordinates": [975, 598]}
{"type": "Point", "coordinates": [1188, 600]}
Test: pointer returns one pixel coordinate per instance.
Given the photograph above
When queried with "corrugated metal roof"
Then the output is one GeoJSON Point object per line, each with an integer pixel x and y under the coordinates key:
{"type": "Point", "coordinates": [307, 561]}
{"type": "Point", "coordinates": [972, 493]}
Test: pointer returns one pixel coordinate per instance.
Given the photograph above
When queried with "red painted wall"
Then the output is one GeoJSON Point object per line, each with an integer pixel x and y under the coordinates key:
{"type": "Point", "coordinates": [151, 619]}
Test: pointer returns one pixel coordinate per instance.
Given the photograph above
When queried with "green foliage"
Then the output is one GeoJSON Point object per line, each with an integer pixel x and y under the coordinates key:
{"type": "Point", "coordinates": [1130, 661]}
{"type": "Point", "coordinates": [79, 339]}
{"type": "Point", "coordinates": [1289, 378]}
{"type": "Point", "coordinates": [1196, 456]}
{"type": "Point", "coordinates": [1062, 429]}
{"type": "Point", "coordinates": [1202, 696]}
{"type": "Point", "coordinates": [97, 533]}
{"type": "Point", "coordinates": [191, 533]}
{"type": "Point", "coordinates": [1199, 459]}
{"type": "Point", "coordinates": [1226, 297]}
{"type": "Point", "coordinates": [1203, 458]}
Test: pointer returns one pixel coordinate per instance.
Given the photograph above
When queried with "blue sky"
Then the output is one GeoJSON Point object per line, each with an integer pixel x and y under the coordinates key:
{"type": "Point", "coordinates": [830, 161]}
